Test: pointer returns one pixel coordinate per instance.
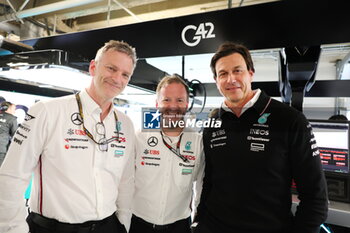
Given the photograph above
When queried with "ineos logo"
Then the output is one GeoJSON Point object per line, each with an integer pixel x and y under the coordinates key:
{"type": "Point", "coordinates": [203, 31]}
{"type": "Point", "coordinates": [259, 132]}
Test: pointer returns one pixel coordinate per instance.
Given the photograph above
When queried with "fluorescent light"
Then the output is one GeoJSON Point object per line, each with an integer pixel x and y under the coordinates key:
{"type": "Point", "coordinates": [11, 64]}
{"type": "Point", "coordinates": [55, 76]}
{"type": "Point", "coordinates": [50, 75]}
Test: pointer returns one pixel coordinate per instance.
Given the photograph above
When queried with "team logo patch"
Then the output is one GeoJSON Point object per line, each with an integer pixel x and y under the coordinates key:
{"type": "Point", "coordinates": [152, 141]}
{"type": "Point", "coordinates": [143, 163]}
{"type": "Point", "coordinates": [118, 153]}
{"type": "Point", "coordinates": [257, 147]}
{"type": "Point", "coordinates": [218, 133]}
{"type": "Point", "coordinates": [16, 140]}
{"type": "Point", "coordinates": [70, 131]}
{"type": "Point", "coordinates": [151, 152]}
{"type": "Point", "coordinates": [188, 145]}
{"type": "Point", "coordinates": [76, 132]}
{"type": "Point", "coordinates": [186, 171]}
{"type": "Point", "coordinates": [76, 118]}
{"type": "Point", "coordinates": [28, 117]}
{"type": "Point", "coordinates": [118, 126]}
{"type": "Point", "coordinates": [263, 118]}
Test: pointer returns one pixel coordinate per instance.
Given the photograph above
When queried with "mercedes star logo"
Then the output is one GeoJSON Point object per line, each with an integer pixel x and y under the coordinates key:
{"type": "Point", "coordinates": [76, 118]}
{"type": "Point", "coordinates": [152, 141]}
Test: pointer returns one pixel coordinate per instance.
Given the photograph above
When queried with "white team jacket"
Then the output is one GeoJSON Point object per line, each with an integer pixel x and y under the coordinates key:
{"type": "Point", "coordinates": [74, 181]}
{"type": "Point", "coordinates": [163, 182]}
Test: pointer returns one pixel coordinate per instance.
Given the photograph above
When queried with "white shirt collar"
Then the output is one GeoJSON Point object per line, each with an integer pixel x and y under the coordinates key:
{"type": "Point", "coordinates": [89, 105]}
{"type": "Point", "coordinates": [171, 139]}
{"type": "Point", "coordinates": [249, 104]}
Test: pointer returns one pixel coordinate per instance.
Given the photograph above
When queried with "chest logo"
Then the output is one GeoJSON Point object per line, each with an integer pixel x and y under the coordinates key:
{"type": "Point", "coordinates": [263, 118]}
{"type": "Point", "coordinates": [118, 153]}
{"type": "Point", "coordinates": [188, 145]}
{"type": "Point", "coordinates": [76, 118]}
{"type": "Point", "coordinates": [28, 117]}
{"type": "Point", "coordinates": [152, 141]}
{"type": "Point", "coordinates": [118, 126]}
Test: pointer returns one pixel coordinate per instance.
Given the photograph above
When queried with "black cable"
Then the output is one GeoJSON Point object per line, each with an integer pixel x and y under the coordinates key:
{"type": "Point", "coordinates": [47, 27]}
{"type": "Point", "coordinates": [241, 3]}
{"type": "Point", "coordinates": [191, 83]}
{"type": "Point", "coordinates": [42, 25]}
{"type": "Point", "coordinates": [192, 92]}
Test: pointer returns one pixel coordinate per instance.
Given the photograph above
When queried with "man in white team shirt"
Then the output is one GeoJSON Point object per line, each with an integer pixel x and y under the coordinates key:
{"type": "Point", "coordinates": [80, 149]}
{"type": "Point", "coordinates": [168, 162]}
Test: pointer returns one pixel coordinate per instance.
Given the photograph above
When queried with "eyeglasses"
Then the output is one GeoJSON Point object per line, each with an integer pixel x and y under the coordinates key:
{"type": "Point", "coordinates": [100, 129]}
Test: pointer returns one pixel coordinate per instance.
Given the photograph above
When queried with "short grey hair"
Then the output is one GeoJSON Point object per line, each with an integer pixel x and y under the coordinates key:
{"type": "Point", "coordinates": [119, 46]}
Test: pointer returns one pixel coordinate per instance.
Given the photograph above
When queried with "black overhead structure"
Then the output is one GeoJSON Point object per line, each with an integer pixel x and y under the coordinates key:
{"type": "Point", "coordinates": [14, 46]}
{"type": "Point", "coordinates": [322, 88]}
{"type": "Point", "coordinates": [280, 24]}
{"type": "Point", "coordinates": [40, 59]}
{"type": "Point", "coordinates": [288, 24]}
{"type": "Point", "coordinates": [44, 57]}
{"type": "Point", "coordinates": [297, 73]}
{"type": "Point", "coordinates": [146, 76]}
{"type": "Point", "coordinates": [8, 85]}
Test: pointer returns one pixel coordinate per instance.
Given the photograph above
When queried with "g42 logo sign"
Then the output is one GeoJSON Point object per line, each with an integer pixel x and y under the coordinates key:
{"type": "Point", "coordinates": [203, 31]}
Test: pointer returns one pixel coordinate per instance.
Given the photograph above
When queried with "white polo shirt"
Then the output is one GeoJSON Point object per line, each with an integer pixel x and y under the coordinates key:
{"type": "Point", "coordinates": [163, 181]}
{"type": "Point", "coordinates": [74, 181]}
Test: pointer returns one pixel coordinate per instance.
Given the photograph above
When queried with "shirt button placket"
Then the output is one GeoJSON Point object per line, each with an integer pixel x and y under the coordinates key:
{"type": "Point", "coordinates": [98, 193]}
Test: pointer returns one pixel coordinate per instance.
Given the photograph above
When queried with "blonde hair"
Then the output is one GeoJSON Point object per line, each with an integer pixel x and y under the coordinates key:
{"type": "Point", "coordinates": [169, 79]}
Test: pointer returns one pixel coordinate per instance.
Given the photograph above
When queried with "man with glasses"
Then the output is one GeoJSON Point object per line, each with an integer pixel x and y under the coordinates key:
{"type": "Point", "coordinates": [80, 149]}
{"type": "Point", "coordinates": [251, 160]}
{"type": "Point", "coordinates": [168, 162]}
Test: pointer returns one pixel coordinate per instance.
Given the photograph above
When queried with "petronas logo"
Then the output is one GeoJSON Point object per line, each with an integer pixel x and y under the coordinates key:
{"type": "Point", "coordinates": [263, 118]}
{"type": "Point", "coordinates": [188, 145]}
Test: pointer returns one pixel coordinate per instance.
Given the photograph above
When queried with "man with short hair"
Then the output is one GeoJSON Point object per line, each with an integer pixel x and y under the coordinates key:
{"type": "Point", "coordinates": [80, 149]}
{"type": "Point", "coordinates": [8, 126]}
{"type": "Point", "coordinates": [168, 163]}
{"type": "Point", "coordinates": [251, 160]}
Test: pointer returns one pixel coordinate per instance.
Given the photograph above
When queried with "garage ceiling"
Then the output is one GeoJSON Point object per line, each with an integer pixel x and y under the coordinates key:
{"type": "Point", "coordinates": [25, 19]}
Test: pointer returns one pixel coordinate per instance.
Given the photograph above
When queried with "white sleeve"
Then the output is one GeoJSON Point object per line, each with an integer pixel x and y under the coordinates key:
{"type": "Point", "coordinates": [16, 171]}
{"type": "Point", "coordinates": [199, 177]}
{"type": "Point", "coordinates": [127, 185]}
